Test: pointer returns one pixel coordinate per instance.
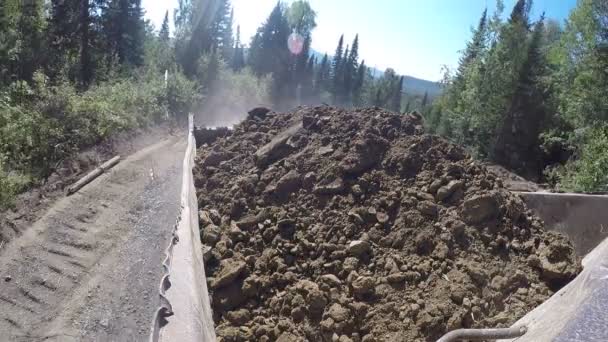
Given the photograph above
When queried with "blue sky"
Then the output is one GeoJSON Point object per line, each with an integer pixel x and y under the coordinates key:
{"type": "Point", "coordinates": [415, 37]}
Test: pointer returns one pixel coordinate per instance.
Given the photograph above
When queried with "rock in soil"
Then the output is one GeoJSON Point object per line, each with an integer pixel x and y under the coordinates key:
{"type": "Point", "coordinates": [354, 225]}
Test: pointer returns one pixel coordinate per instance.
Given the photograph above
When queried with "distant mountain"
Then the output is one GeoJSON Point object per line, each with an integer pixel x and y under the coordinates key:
{"type": "Point", "coordinates": [411, 85]}
{"type": "Point", "coordinates": [419, 86]}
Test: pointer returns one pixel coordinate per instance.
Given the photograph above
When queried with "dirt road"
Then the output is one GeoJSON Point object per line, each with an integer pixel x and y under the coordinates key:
{"type": "Point", "coordinates": [89, 269]}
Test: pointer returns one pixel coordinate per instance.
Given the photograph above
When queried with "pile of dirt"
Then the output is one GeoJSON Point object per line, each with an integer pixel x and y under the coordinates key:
{"type": "Point", "coordinates": [353, 225]}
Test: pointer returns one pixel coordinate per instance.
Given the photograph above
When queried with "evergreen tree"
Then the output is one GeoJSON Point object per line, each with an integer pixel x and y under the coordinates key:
{"type": "Point", "coordinates": [269, 53]}
{"type": "Point", "coordinates": [474, 47]}
{"type": "Point", "coordinates": [341, 92]}
{"type": "Point", "coordinates": [302, 61]}
{"type": "Point", "coordinates": [307, 83]}
{"type": "Point", "coordinates": [350, 66]}
{"type": "Point", "coordinates": [220, 32]}
{"type": "Point", "coordinates": [323, 75]}
{"type": "Point", "coordinates": [163, 34]}
{"type": "Point", "coordinates": [353, 58]}
{"type": "Point", "coordinates": [238, 58]}
{"type": "Point", "coordinates": [9, 36]}
{"type": "Point", "coordinates": [336, 67]}
{"type": "Point", "coordinates": [197, 31]}
{"type": "Point", "coordinates": [521, 12]}
{"type": "Point", "coordinates": [358, 84]}
{"type": "Point", "coordinates": [425, 99]}
{"type": "Point", "coordinates": [517, 145]}
{"type": "Point", "coordinates": [87, 65]}
{"type": "Point", "coordinates": [62, 35]}
{"type": "Point", "coordinates": [397, 93]}
{"type": "Point", "coordinates": [124, 31]}
{"type": "Point", "coordinates": [29, 29]}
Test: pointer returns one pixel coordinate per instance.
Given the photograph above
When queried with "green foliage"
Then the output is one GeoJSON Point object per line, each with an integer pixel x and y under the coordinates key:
{"type": "Point", "coordinates": [11, 184]}
{"type": "Point", "coordinates": [244, 88]}
{"type": "Point", "coordinates": [59, 121]}
{"type": "Point", "coordinates": [524, 91]}
{"type": "Point", "coordinates": [589, 172]}
{"type": "Point", "coordinates": [301, 17]}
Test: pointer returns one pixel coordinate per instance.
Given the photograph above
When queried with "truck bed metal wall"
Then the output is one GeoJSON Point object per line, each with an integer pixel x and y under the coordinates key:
{"type": "Point", "coordinates": [583, 218]}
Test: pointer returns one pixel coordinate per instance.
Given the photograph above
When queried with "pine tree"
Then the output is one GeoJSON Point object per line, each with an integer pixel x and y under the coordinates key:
{"type": "Point", "coordinates": [220, 32]}
{"type": "Point", "coordinates": [238, 58]}
{"type": "Point", "coordinates": [341, 94]}
{"type": "Point", "coordinates": [407, 107]}
{"type": "Point", "coordinates": [520, 12]}
{"type": "Point", "coordinates": [336, 67]}
{"type": "Point", "coordinates": [86, 67]}
{"type": "Point", "coordinates": [397, 93]}
{"type": "Point", "coordinates": [196, 31]}
{"type": "Point", "coordinates": [358, 84]}
{"type": "Point", "coordinates": [518, 140]}
{"type": "Point", "coordinates": [302, 61]}
{"type": "Point", "coordinates": [323, 75]}
{"type": "Point", "coordinates": [124, 31]}
{"type": "Point", "coordinates": [269, 54]}
{"type": "Point", "coordinates": [474, 47]}
{"type": "Point", "coordinates": [61, 32]}
{"type": "Point", "coordinates": [163, 34]}
{"type": "Point", "coordinates": [9, 36]}
{"type": "Point", "coordinates": [350, 65]}
{"type": "Point", "coordinates": [29, 29]}
{"type": "Point", "coordinates": [425, 100]}
{"type": "Point", "coordinates": [353, 58]}
{"type": "Point", "coordinates": [307, 83]}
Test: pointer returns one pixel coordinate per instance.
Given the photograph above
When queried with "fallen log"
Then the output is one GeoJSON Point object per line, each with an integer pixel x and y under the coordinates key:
{"type": "Point", "coordinates": [92, 175]}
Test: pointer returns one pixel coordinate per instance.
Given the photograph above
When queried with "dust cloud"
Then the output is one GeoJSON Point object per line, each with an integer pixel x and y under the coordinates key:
{"type": "Point", "coordinates": [234, 94]}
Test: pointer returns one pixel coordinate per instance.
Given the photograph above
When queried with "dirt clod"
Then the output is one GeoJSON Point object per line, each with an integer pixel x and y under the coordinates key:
{"type": "Point", "coordinates": [354, 225]}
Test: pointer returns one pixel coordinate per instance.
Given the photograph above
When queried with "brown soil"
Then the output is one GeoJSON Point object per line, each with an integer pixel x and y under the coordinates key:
{"type": "Point", "coordinates": [333, 225]}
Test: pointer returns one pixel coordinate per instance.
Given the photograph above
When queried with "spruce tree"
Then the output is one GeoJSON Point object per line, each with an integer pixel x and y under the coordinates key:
{"type": "Point", "coordinates": [220, 32]}
{"type": "Point", "coordinates": [358, 84]}
{"type": "Point", "coordinates": [307, 83]}
{"type": "Point", "coordinates": [302, 61]}
{"type": "Point", "coordinates": [269, 53]}
{"type": "Point", "coordinates": [238, 58]}
{"type": "Point", "coordinates": [163, 34]}
{"type": "Point", "coordinates": [474, 47]}
{"type": "Point", "coordinates": [9, 37]}
{"type": "Point", "coordinates": [29, 29]}
{"type": "Point", "coordinates": [425, 100]}
{"type": "Point", "coordinates": [62, 40]}
{"type": "Point", "coordinates": [124, 31]}
{"type": "Point", "coordinates": [397, 90]}
{"type": "Point", "coordinates": [323, 75]}
{"type": "Point", "coordinates": [350, 66]}
{"type": "Point", "coordinates": [407, 107]}
{"type": "Point", "coordinates": [517, 145]}
{"type": "Point", "coordinates": [87, 65]}
{"type": "Point", "coordinates": [343, 84]}
{"type": "Point", "coordinates": [336, 67]}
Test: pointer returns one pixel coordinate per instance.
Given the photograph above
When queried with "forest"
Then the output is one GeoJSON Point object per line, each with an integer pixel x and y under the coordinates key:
{"type": "Point", "coordinates": [528, 93]}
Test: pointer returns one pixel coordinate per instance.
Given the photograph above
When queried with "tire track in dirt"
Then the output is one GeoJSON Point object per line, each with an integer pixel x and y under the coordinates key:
{"type": "Point", "coordinates": [57, 275]}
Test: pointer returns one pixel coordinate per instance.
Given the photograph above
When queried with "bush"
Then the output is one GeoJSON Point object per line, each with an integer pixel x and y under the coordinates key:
{"type": "Point", "coordinates": [42, 124]}
{"type": "Point", "coordinates": [588, 172]}
{"type": "Point", "coordinates": [10, 185]}
{"type": "Point", "coordinates": [182, 95]}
